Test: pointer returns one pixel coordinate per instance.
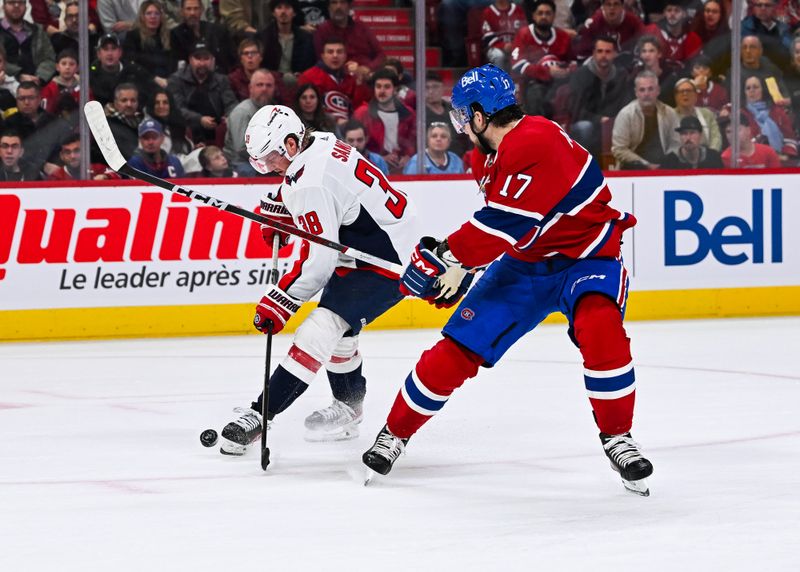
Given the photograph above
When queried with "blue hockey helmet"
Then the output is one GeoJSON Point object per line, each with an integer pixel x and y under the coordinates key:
{"type": "Point", "coordinates": [486, 85]}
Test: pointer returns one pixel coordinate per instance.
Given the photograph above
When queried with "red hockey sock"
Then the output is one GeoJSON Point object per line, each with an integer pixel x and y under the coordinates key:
{"type": "Point", "coordinates": [427, 388]}
{"type": "Point", "coordinates": [608, 367]}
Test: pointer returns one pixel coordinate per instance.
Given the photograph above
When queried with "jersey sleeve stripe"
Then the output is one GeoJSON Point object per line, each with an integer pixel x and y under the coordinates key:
{"type": "Point", "coordinates": [513, 225]}
{"type": "Point", "coordinates": [529, 214]}
{"type": "Point", "coordinates": [494, 232]}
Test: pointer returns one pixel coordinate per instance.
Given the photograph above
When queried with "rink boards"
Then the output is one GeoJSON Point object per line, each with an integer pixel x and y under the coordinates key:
{"type": "Point", "coordinates": [127, 260]}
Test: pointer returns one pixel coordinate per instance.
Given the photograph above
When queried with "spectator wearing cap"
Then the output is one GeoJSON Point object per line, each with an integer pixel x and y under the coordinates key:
{"type": "Point", "coordinates": [775, 36]}
{"type": "Point", "coordinates": [148, 43]}
{"type": "Point", "coordinates": [68, 38]}
{"type": "Point", "coordinates": [250, 59]}
{"type": "Point", "coordinates": [437, 159]}
{"type": "Point", "coordinates": [390, 124]}
{"type": "Point", "coordinates": [150, 157]}
{"type": "Point", "coordinates": [542, 58]}
{"type": "Point", "coordinates": [262, 92]}
{"type": "Point", "coordinates": [692, 153]}
{"type": "Point", "coordinates": [611, 20]}
{"type": "Point", "coordinates": [108, 71]}
{"type": "Point", "coordinates": [29, 53]}
{"type": "Point", "coordinates": [288, 48]}
{"type": "Point", "coordinates": [710, 92]}
{"type": "Point", "coordinates": [193, 29]}
{"type": "Point", "coordinates": [644, 130]}
{"type": "Point", "coordinates": [678, 43]}
{"type": "Point", "coordinates": [355, 134]}
{"type": "Point", "coordinates": [752, 155]}
{"type": "Point", "coordinates": [117, 16]}
{"type": "Point", "coordinates": [364, 52]}
{"type": "Point", "coordinates": [70, 158]}
{"type": "Point", "coordinates": [686, 106]}
{"type": "Point", "coordinates": [203, 96]}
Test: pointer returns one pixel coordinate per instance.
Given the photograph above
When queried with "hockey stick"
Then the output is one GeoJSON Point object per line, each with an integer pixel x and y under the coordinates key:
{"type": "Point", "coordinates": [273, 278]}
{"type": "Point", "coordinates": [96, 118]}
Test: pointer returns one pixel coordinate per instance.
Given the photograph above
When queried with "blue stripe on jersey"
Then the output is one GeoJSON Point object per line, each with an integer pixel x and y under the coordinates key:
{"type": "Point", "coordinates": [607, 384]}
{"type": "Point", "coordinates": [512, 224]}
{"type": "Point", "coordinates": [366, 235]}
{"type": "Point", "coordinates": [420, 402]}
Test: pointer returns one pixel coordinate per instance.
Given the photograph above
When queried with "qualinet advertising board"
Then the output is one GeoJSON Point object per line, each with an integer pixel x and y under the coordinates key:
{"type": "Point", "coordinates": [132, 245]}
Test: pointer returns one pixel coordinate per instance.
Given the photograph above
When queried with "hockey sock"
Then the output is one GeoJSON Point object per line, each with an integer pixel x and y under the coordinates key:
{"type": "Point", "coordinates": [284, 388]}
{"type": "Point", "coordinates": [350, 387]}
{"type": "Point", "coordinates": [439, 371]}
{"type": "Point", "coordinates": [608, 368]}
{"type": "Point", "coordinates": [344, 372]}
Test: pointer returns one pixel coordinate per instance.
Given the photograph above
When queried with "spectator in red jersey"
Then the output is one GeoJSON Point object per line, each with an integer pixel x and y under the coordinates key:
{"type": "Point", "coordinates": [678, 43]}
{"type": "Point", "coordinates": [710, 92]}
{"type": "Point", "coordinates": [789, 12]}
{"type": "Point", "coordinates": [612, 20]}
{"type": "Point", "coordinates": [501, 22]}
{"type": "Point", "coordinates": [250, 58]}
{"type": "Point", "coordinates": [390, 124]}
{"type": "Point", "coordinates": [542, 59]}
{"type": "Point", "coordinates": [364, 52]}
{"type": "Point", "coordinates": [341, 90]}
{"type": "Point", "coordinates": [711, 26]}
{"type": "Point", "coordinates": [70, 157]}
{"type": "Point", "coordinates": [751, 155]}
{"type": "Point", "coordinates": [65, 83]}
{"type": "Point", "coordinates": [309, 108]}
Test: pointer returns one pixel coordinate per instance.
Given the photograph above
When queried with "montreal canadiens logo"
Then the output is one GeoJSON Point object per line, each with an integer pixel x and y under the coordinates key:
{"type": "Point", "coordinates": [467, 314]}
{"type": "Point", "coordinates": [337, 104]}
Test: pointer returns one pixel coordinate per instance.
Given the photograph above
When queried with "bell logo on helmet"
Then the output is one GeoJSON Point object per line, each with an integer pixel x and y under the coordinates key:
{"type": "Point", "coordinates": [469, 78]}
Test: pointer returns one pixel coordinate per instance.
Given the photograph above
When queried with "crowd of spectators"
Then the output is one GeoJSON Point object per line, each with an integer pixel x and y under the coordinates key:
{"type": "Point", "coordinates": [641, 84]}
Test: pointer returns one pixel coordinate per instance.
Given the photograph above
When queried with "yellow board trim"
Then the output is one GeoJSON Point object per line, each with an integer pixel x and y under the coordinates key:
{"type": "Point", "coordinates": [231, 319]}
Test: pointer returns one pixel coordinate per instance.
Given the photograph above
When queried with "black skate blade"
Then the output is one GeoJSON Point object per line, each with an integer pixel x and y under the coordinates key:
{"type": "Point", "coordinates": [637, 487]}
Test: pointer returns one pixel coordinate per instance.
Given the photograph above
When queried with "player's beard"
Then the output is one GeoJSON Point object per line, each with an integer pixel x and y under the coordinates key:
{"type": "Point", "coordinates": [483, 144]}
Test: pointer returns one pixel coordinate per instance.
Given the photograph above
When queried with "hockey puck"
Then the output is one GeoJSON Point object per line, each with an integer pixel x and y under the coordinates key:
{"type": "Point", "coordinates": [209, 438]}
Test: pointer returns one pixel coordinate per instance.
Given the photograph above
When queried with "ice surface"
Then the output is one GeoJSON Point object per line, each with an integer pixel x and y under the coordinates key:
{"type": "Point", "coordinates": [101, 467]}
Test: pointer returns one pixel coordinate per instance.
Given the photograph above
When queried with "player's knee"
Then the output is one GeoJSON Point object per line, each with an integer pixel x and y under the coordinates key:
{"type": "Point", "coordinates": [447, 365]}
{"type": "Point", "coordinates": [599, 331]}
{"type": "Point", "coordinates": [314, 342]}
{"type": "Point", "coordinates": [345, 357]}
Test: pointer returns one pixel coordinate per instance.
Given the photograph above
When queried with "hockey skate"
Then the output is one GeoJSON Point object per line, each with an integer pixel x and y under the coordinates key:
{"type": "Point", "coordinates": [384, 452]}
{"type": "Point", "coordinates": [238, 434]}
{"type": "Point", "coordinates": [623, 452]}
{"type": "Point", "coordinates": [337, 422]}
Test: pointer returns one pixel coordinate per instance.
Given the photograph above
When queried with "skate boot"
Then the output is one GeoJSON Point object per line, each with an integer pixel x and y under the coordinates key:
{"type": "Point", "coordinates": [238, 434]}
{"type": "Point", "coordinates": [384, 452]}
{"type": "Point", "coordinates": [623, 452]}
{"type": "Point", "coordinates": [337, 422]}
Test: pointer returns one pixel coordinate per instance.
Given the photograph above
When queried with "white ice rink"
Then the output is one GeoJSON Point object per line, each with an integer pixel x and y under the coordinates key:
{"type": "Point", "coordinates": [101, 467]}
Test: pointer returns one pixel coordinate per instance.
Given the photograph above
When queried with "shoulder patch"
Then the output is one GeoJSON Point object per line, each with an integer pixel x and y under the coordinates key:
{"type": "Point", "coordinates": [296, 177]}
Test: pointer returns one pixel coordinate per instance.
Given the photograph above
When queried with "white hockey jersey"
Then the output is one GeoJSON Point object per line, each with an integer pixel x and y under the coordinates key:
{"type": "Point", "coordinates": [332, 191]}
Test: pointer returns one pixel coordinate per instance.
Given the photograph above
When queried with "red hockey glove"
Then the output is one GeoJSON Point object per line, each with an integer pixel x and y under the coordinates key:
{"type": "Point", "coordinates": [274, 310]}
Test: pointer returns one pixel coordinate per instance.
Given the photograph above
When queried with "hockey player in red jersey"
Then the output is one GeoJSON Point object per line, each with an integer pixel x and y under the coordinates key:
{"type": "Point", "coordinates": [548, 220]}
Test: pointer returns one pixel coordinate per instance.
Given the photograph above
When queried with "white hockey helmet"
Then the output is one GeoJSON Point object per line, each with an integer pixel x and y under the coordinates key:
{"type": "Point", "coordinates": [267, 132]}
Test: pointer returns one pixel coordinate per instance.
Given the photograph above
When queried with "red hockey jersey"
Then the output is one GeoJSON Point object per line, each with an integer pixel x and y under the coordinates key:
{"type": "Point", "coordinates": [500, 26]}
{"type": "Point", "coordinates": [545, 197]}
{"type": "Point", "coordinates": [532, 55]}
{"type": "Point", "coordinates": [340, 93]}
{"type": "Point", "coordinates": [676, 48]}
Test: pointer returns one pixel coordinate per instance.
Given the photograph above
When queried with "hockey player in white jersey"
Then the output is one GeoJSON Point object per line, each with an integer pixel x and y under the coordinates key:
{"type": "Point", "coordinates": [331, 190]}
